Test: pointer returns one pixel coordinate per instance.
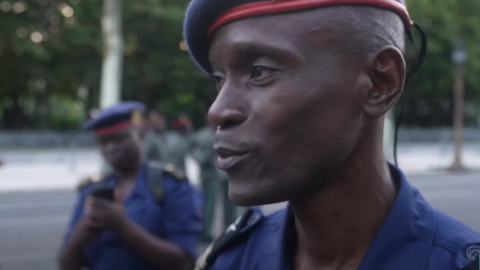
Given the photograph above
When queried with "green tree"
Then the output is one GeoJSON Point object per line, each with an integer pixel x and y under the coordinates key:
{"type": "Point", "coordinates": [158, 69]}
{"type": "Point", "coordinates": [429, 96]}
{"type": "Point", "coordinates": [52, 48]}
{"type": "Point", "coordinates": [48, 48]}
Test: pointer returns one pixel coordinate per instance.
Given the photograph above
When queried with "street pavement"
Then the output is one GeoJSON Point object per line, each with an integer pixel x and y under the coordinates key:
{"type": "Point", "coordinates": [32, 224]}
{"type": "Point", "coordinates": [36, 196]}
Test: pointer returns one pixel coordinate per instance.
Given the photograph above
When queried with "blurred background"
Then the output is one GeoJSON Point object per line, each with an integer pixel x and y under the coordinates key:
{"type": "Point", "coordinates": [62, 60]}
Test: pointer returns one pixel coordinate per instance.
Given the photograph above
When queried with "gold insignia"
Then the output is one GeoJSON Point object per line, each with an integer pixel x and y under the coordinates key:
{"type": "Point", "coordinates": [137, 118]}
{"type": "Point", "coordinates": [83, 183]}
{"type": "Point", "coordinates": [173, 170]}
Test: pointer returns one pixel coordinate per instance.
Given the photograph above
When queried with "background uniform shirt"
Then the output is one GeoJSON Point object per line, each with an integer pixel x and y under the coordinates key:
{"type": "Point", "coordinates": [168, 147]}
{"type": "Point", "coordinates": [414, 236]}
{"type": "Point", "coordinates": [155, 146]}
{"type": "Point", "coordinates": [178, 220]}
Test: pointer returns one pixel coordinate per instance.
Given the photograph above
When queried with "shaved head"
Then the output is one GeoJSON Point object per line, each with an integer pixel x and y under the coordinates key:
{"type": "Point", "coordinates": [356, 30]}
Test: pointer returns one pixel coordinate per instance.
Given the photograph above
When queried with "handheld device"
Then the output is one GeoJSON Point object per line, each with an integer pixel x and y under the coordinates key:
{"type": "Point", "coordinates": [103, 193]}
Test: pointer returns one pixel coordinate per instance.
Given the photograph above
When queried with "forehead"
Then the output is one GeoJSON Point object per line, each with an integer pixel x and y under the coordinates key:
{"type": "Point", "coordinates": [116, 134]}
{"type": "Point", "coordinates": [295, 33]}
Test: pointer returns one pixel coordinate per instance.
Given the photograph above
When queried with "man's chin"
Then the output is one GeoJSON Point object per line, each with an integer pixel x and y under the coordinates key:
{"type": "Point", "coordinates": [119, 165]}
{"type": "Point", "coordinates": [247, 199]}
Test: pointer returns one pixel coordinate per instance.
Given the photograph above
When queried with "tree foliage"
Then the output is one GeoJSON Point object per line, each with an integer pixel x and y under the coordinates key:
{"type": "Point", "coordinates": [51, 53]}
{"type": "Point", "coordinates": [429, 96]}
{"type": "Point", "coordinates": [52, 50]}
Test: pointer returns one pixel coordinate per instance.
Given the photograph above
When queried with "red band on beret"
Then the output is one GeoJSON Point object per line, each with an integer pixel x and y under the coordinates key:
{"type": "Point", "coordinates": [114, 128]}
{"type": "Point", "coordinates": [275, 7]}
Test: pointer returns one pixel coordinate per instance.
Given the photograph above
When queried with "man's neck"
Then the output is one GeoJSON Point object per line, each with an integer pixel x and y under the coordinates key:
{"type": "Point", "coordinates": [336, 225]}
{"type": "Point", "coordinates": [128, 174]}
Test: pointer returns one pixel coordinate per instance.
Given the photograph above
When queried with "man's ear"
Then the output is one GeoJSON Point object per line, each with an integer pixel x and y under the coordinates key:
{"type": "Point", "coordinates": [387, 73]}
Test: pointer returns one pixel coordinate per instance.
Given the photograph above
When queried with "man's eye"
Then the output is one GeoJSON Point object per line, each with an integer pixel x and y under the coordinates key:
{"type": "Point", "coordinates": [219, 81]}
{"type": "Point", "coordinates": [259, 71]}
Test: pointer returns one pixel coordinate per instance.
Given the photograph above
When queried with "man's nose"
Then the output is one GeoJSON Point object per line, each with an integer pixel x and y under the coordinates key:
{"type": "Point", "coordinates": [229, 109]}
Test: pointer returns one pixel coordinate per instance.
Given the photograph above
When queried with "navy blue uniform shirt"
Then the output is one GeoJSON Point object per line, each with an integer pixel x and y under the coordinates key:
{"type": "Point", "coordinates": [414, 236]}
{"type": "Point", "coordinates": [178, 220]}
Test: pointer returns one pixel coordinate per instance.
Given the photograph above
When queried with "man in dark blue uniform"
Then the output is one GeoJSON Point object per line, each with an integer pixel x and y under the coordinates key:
{"type": "Point", "coordinates": [152, 217]}
{"type": "Point", "coordinates": [303, 88]}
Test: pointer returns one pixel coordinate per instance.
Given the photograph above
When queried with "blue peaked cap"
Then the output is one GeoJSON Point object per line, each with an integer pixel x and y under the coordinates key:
{"type": "Point", "coordinates": [200, 16]}
{"type": "Point", "coordinates": [115, 115]}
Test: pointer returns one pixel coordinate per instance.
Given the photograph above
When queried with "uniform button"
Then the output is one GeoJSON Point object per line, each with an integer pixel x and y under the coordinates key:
{"type": "Point", "coordinates": [472, 252]}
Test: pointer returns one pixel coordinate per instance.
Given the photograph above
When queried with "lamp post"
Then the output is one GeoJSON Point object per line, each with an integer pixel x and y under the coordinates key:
{"type": "Point", "coordinates": [459, 58]}
{"type": "Point", "coordinates": [113, 49]}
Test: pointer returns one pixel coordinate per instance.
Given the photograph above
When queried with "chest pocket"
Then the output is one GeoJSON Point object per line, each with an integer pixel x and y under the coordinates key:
{"type": "Point", "coordinates": [142, 209]}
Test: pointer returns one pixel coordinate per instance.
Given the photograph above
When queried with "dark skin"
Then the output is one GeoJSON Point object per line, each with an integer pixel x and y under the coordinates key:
{"type": "Point", "coordinates": [123, 150]}
{"type": "Point", "coordinates": [301, 121]}
{"type": "Point", "coordinates": [185, 127]}
{"type": "Point", "coordinates": [157, 122]}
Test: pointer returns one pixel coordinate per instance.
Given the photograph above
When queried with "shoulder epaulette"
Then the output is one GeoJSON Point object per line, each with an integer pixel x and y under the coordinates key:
{"type": "Point", "coordinates": [174, 171]}
{"type": "Point", "coordinates": [234, 234]}
{"type": "Point", "coordinates": [87, 181]}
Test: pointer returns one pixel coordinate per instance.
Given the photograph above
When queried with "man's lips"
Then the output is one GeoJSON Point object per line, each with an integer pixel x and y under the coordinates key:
{"type": "Point", "coordinates": [224, 152]}
{"type": "Point", "coordinates": [228, 158]}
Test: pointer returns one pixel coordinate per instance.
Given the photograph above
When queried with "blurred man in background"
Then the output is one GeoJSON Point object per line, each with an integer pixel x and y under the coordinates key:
{"type": "Point", "coordinates": [156, 141]}
{"type": "Point", "coordinates": [142, 216]}
{"type": "Point", "coordinates": [168, 147]}
{"type": "Point", "coordinates": [178, 141]}
{"type": "Point", "coordinates": [213, 180]}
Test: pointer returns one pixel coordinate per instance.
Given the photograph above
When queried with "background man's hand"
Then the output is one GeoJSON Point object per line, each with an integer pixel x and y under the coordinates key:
{"type": "Point", "coordinates": [83, 233]}
{"type": "Point", "coordinates": [101, 213]}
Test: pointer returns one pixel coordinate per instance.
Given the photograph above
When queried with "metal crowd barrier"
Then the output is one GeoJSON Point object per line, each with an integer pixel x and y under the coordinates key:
{"type": "Point", "coordinates": [80, 139]}
{"type": "Point", "coordinates": [45, 139]}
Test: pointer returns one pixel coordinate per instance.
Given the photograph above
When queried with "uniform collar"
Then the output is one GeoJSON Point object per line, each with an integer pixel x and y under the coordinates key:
{"type": "Point", "coordinates": [137, 187]}
{"type": "Point", "coordinates": [403, 241]}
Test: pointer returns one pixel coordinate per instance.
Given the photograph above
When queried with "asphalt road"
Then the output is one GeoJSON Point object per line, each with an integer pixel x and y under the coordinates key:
{"type": "Point", "coordinates": [32, 223]}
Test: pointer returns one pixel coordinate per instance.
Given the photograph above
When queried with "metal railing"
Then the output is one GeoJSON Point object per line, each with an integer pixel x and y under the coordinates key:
{"type": "Point", "coordinates": [45, 139]}
{"type": "Point", "coordinates": [80, 139]}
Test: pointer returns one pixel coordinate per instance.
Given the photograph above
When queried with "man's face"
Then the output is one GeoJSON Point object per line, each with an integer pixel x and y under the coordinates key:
{"type": "Point", "coordinates": [157, 122]}
{"type": "Point", "coordinates": [121, 149]}
{"type": "Point", "coordinates": [289, 107]}
{"type": "Point", "coordinates": [184, 124]}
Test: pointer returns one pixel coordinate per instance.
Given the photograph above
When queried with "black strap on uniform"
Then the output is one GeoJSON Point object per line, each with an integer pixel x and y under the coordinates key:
{"type": "Point", "coordinates": [420, 54]}
{"type": "Point", "coordinates": [474, 265]}
{"type": "Point", "coordinates": [154, 177]}
{"type": "Point", "coordinates": [228, 239]}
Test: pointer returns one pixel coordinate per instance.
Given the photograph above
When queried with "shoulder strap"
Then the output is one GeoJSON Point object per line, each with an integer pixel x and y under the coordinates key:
{"type": "Point", "coordinates": [154, 177]}
{"type": "Point", "coordinates": [231, 237]}
{"type": "Point", "coordinates": [474, 265]}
